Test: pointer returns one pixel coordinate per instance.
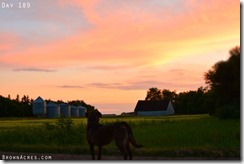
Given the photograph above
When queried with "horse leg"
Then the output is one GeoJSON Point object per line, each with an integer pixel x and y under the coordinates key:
{"type": "Point", "coordinates": [122, 150]}
{"type": "Point", "coordinates": [92, 151]}
{"type": "Point", "coordinates": [99, 152]}
{"type": "Point", "coordinates": [129, 151]}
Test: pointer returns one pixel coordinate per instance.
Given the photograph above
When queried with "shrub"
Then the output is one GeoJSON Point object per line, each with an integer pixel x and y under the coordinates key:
{"type": "Point", "coordinates": [228, 111]}
{"type": "Point", "coordinates": [62, 132]}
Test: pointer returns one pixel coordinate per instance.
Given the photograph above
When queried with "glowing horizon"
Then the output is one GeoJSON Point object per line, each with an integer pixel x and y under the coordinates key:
{"type": "Point", "coordinates": [110, 52]}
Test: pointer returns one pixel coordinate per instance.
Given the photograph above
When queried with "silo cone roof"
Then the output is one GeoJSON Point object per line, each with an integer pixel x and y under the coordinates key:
{"type": "Point", "coordinates": [39, 100]}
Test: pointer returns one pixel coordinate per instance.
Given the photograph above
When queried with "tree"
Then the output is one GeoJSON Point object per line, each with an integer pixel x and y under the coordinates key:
{"type": "Point", "coordinates": [224, 81]}
{"type": "Point", "coordinates": [154, 94]}
{"type": "Point", "coordinates": [25, 100]}
{"type": "Point", "coordinates": [191, 102]}
{"type": "Point", "coordinates": [167, 94]}
{"type": "Point", "coordinates": [82, 103]}
{"type": "Point", "coordinates": [17, 98]}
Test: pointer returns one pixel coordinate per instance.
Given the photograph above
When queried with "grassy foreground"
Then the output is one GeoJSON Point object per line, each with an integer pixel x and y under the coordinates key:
{"type": "Point", "coordinates": [168, 136]}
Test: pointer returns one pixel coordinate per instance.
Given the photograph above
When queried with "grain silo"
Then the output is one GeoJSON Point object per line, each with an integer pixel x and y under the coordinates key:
{"type": "Point", "coordinates": [53, 110]}
{"type": "Point", "coordinates": [65, 110]}
{"type": "Point", "coordinates": [74, 111]}
{"type": "Point", "coordinates": [82, 111]}
{"type": "Point", "coordinates": [39, 107]}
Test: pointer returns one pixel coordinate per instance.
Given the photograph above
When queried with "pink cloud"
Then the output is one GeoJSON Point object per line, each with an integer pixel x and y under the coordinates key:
{"type": "Point", "coordinates": [122, 34]}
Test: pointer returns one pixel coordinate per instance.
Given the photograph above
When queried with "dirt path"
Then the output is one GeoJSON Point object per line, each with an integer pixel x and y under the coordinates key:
{"type": "Point", "coordinates": [45, 156]}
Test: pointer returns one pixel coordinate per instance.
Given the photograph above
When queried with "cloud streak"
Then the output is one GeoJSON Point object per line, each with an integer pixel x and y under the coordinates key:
{"type": "Point", "coordinates": [71, 86]}
{"type": "Point", "coordinates": [145, 85]}
{"type": "Point", "coordinates": [33, 70]}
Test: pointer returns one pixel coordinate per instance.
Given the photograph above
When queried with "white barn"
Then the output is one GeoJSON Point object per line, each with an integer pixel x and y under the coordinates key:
{"type": "Point", "coordinates": [154, 108]}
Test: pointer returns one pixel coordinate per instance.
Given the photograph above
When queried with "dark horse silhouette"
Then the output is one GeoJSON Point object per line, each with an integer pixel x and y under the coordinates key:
{"type": "Point", "coordinates": [100, 135]}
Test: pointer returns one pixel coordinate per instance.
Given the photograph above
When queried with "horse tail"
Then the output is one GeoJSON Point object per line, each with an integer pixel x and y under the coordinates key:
{"type": "Point", "coordinates": [131, 136]}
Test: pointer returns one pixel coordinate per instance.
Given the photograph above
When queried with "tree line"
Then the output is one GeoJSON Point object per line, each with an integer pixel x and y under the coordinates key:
{"type": "Point", "coordinates": [191, 102]}
{"type": "Point", "coordinates": [220, 97]}
{"type": "Point", "coordinates": [22, 107]}
{"type": "Point", "coordinates": [18, 107]}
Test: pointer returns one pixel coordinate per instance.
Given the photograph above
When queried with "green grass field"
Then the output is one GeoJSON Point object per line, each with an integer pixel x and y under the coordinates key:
{"type": "Point", "coordinates": [168, 136]}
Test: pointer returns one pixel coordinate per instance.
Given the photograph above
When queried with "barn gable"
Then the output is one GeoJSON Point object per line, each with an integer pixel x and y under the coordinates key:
{"type": "Point", "coordinates": [154, 108]}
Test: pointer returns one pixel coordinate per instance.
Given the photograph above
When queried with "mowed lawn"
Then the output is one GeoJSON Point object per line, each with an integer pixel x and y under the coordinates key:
{"type": "Point", "coordinates": [169, 136]}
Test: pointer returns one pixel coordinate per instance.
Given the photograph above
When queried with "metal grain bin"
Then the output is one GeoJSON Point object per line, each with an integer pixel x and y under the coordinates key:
{"type": "Point", "coordinates": [74, 111]}
{"type": "Point", "coordinates": [53, 110]}
{"type": "Point", "coordinates": [82, 111]}
{"type": "Point", "coordinates": [65, 110]}
{"type": "Point", "coordinates": [39, 107]}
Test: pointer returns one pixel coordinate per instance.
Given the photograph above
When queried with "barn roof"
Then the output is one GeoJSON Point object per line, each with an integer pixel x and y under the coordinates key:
{"type": "Point", "coordinates": [154, 105]}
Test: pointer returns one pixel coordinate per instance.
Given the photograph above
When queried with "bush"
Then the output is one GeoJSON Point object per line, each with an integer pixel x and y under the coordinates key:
{"type": "Point", "coordinates": [228, 111]}
{"type": "Point", "coordinates": [62, 132]}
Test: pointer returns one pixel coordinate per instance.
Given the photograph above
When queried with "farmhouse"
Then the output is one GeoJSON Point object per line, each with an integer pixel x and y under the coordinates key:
{"type": "Point", "coordinates": [154, 108]}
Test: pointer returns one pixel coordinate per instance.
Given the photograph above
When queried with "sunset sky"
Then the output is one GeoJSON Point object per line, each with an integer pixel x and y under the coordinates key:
{"type": "Point", "coordinates": [110, 52]}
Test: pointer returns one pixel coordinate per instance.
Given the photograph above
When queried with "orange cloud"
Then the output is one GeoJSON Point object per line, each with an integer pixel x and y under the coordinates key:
{"type": "Point", "coordinates": [128, 36]}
